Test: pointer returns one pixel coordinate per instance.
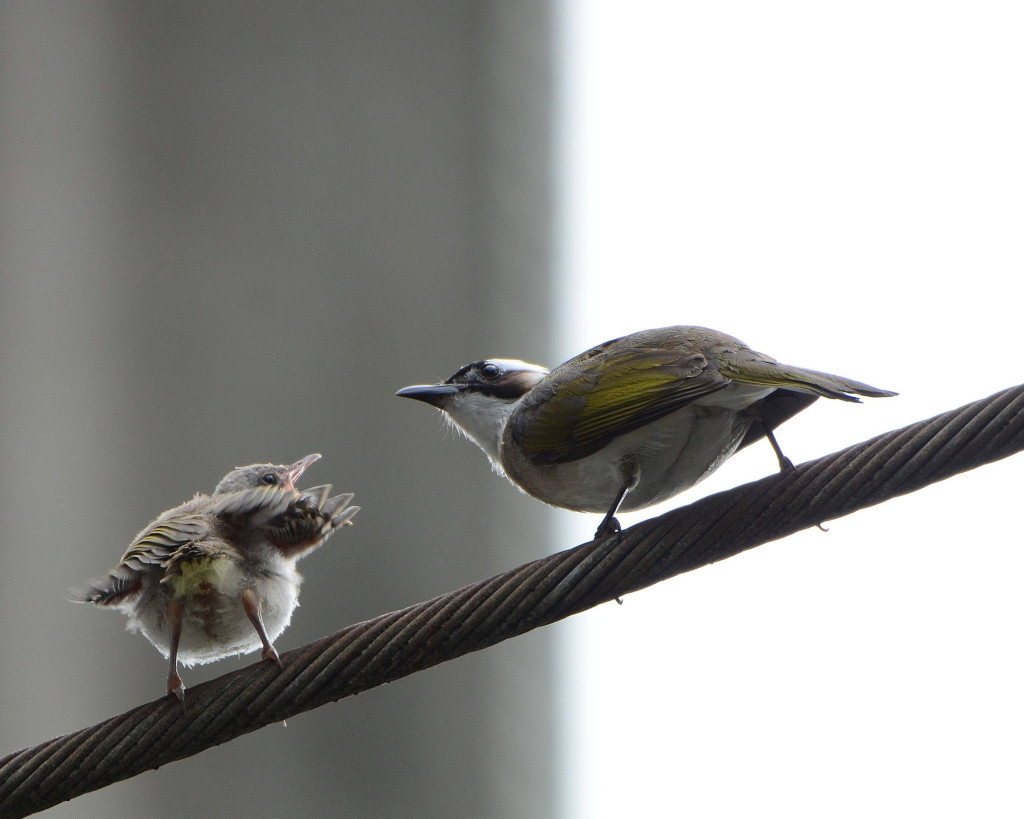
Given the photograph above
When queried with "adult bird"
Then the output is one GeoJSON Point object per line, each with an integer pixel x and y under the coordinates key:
{"type": "Point", "coordinates": [216, 576]}
{"type": "Point", "coordinates": [630, 422]}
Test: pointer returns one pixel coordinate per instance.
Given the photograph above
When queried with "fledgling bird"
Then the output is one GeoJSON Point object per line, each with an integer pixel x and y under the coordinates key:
{"type": "Point", "coordinates": [216, 576]}
{"type": "Point", "coordinates": [630, 422]}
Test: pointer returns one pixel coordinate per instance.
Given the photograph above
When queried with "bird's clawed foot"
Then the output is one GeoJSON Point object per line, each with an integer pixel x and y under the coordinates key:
{"type": "Point", "coordinates": [609, 526]}
{"type": "Point", "coordinates": [175, 614]}
{"type": "Point", "coordinates": [175, 687]}
{"type": "Point", "coordinates": [785, 465]}
{"type": "Point", "coordinates": [630, 473]}
{"type": "Point", "coordinates": [270, 653]}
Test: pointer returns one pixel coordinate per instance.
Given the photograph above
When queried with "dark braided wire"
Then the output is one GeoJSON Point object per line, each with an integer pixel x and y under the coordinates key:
{"type": "Point", "coordinates": [400, 643]}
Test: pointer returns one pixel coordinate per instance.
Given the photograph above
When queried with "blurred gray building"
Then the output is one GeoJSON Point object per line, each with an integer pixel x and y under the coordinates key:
{"type": "Point", "coordinates": [228, 233]}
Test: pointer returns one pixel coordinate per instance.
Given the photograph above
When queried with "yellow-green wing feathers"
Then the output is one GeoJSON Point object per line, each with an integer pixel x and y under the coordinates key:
{"type": "Point", "coordinates": [580, 407]}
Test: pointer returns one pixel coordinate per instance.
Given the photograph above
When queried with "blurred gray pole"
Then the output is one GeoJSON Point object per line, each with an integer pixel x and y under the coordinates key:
{"type": "Point", "coordinates": [229, 233]}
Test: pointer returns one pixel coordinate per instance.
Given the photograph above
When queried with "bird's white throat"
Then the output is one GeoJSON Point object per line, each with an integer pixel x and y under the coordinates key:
{"type": "Point", "coordinates": [482, 419]}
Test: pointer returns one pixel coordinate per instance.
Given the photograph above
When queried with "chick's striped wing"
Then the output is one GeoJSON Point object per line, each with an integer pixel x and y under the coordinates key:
{"type": "Point", "coordinates": [150, 551]}
{"type": "Point", "coordinates": [294, 522]}
{"type": "Point", "coordinates": [598, 396]}
{"type": "Point", "coordinates": [253, 508]}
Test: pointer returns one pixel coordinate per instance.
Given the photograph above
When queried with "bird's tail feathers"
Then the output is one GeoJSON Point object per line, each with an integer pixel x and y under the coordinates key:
{"type": "Point", "coordinates": [113, 590]}
{"type": "Point", "coordinates": [784, 376]}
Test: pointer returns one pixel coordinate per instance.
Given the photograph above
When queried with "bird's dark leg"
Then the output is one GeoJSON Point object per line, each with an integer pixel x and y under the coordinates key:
{"type": "Point", "coordinates": [784, 462]}
{"type": "Point", "coordinates": [254, 611]}
{"type": "Point", "coordinates": [630, 478]}
{"type": "Point", "coordinates": [175, 610]}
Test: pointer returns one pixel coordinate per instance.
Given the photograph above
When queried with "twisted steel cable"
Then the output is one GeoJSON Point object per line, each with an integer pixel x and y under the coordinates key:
{"type": "Point", "coordinates": [400, 643]}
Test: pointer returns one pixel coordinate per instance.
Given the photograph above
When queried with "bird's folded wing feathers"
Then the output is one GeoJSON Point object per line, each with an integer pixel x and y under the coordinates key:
{"type": "Point", "coordinates": [152, 548]}
{"type": "Point", "coordinates": [578, 410]}
{"type": "Point", "coordinates": [292, 521]}
{"type": "Point", "coordinates": [253, 507]}
{"type": "Point", "coordinates": [310, 520]}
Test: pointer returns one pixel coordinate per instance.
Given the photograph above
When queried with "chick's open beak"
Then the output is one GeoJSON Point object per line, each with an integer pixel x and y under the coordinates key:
{"type": "Point", "coordinates": [296, 469]}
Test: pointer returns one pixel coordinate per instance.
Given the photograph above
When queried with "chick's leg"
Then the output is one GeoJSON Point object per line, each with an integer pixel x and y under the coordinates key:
{"type": "Point", "coordinates": [254, 611]}
{"type": "Point", "coordinates": [175, 687]}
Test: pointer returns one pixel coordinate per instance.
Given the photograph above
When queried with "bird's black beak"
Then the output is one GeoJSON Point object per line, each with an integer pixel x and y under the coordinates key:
{"type": "Point", "coordinates": [434, 394]}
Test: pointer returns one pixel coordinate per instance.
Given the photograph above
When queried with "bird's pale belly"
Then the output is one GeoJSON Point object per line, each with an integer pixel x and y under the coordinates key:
{"type": "Point", "coordinates": [670, 455]}
{"type": "Point", "coordinates": [215, 625]}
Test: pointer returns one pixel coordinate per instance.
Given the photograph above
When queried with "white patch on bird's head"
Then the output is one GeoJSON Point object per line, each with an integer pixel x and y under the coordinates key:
{"type": "Point", "coordinates": [516, 365]}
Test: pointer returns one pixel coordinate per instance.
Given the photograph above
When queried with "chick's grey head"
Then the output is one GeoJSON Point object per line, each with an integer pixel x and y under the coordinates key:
{"type": "Point", "coordinates": [248, 477]}
{"type": "Point", "coordinates": [479, 398]}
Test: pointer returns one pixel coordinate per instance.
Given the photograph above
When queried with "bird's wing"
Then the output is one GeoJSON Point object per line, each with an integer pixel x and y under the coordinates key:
{"type": "Point", "coordinates": [253, 508]}
{"type": "Point", "coordinates": [294, 522]}
{"type": "Point", "coordinates": [152, 549]}
{"type": "Point", "coordinates": [589, 401]}
{"type": "Point", "coordinates": [308, 522]}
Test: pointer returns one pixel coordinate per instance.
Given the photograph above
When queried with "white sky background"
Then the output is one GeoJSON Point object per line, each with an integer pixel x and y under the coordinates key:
{"type": "Point", "coordinates": [842, 187]}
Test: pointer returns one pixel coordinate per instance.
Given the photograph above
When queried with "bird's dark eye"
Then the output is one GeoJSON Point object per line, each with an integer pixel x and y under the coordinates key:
{"type": "Point", "coordinates": [489, 371]}
{"type": "Point", "coordinates": [270, 479]}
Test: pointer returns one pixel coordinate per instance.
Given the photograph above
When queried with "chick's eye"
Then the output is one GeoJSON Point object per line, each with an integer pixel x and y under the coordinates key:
{"type": "Point", "coordinates": [490, 370]}
{"type": "Point", "coordinates": [269, 479]}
